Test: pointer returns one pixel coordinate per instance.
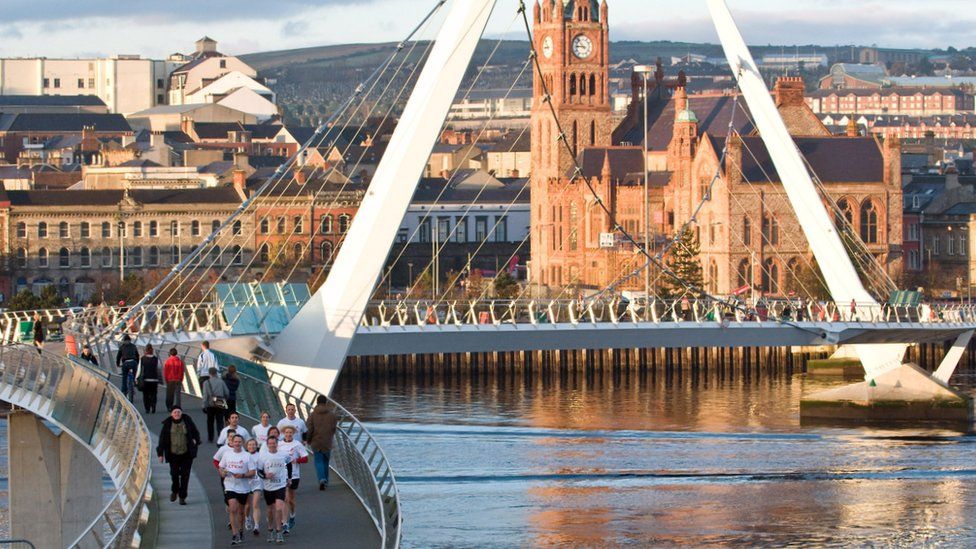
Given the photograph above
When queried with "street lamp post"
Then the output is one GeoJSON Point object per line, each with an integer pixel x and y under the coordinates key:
{"type": "Point", "coordinates": [645, 70]}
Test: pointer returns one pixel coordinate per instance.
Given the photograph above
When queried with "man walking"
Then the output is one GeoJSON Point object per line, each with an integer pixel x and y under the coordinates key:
{"type": "Point", "coordinates": [127, 360]}
{"type": "Point", "coordinates": [205, 362]}
{"type": "Point", "coordinates": [178, 442]}
{"type": "Point", "coordinates": [173, 372]}
{"type": "Point", "coordinates": [321, 429]}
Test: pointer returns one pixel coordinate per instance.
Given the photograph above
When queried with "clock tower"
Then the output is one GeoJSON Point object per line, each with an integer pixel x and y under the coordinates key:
{"type": "Point", "coordinates": [572, 41]}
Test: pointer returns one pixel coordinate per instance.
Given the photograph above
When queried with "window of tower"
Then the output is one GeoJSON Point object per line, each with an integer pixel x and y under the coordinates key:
{"type": "Point", "coordinates": [572, 84]}
{"type": "Point", "coordinates": [582, 84]}
{"type": "Point", "coordinates": [592, 133]}
{"type": "Point", "coordinates": [592, 84]}
{"type": "Point", "coordinates": [575, 138]}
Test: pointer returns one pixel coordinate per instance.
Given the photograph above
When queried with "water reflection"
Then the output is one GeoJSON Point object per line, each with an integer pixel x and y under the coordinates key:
{"type": "Point", "coordinates": [605, 460]}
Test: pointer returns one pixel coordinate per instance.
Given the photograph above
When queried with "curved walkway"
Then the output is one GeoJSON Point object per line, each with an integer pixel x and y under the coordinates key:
{"type": "Point", "coordinates": [334, 518]}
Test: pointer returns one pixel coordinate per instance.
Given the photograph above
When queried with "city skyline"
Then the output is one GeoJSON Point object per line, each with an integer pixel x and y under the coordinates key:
{"type": "Point", "coordinates": [156, 31]}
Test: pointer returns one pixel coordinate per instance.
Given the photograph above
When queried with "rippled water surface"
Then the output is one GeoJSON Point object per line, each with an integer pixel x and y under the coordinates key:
{"type": "Point", "coordinates": [655, 460]}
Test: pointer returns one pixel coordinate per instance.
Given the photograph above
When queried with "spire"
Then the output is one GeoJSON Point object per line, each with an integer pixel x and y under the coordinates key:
{"type": "Point", "coordinates": [606, 172]}
{"type": "Point", "coordinates": [537, 12]}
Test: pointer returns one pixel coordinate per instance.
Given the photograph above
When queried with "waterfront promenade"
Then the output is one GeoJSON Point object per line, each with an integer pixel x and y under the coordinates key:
{"type": "Point", "coordinates": [334, 518]}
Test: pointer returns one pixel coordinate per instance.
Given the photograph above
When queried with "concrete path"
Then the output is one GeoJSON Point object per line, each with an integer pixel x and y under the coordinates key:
{"type": "Point", "coordinates": [333, 518]}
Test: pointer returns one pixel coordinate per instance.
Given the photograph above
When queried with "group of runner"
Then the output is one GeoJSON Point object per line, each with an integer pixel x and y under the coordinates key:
{"type": "Point", "coordinates": [263, 463]}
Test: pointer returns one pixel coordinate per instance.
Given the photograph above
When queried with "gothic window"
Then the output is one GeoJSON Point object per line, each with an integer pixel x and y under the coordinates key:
{"type": "Point", "coordinates": [85, 255]}
{"type": "Point", "coordinates": [869, 222]}
{"type": "Point", "coordinates": [744, 273]}
{"type": "Point", "coordinates": [746, 231]}
{"type": "Point", "coordinates": [713, 277]}
{"type": "Point", "coordinates": [846, 210]}
{"type": "Point", "coordinates": [325, 225]}
{"type": "Point", "coordinates": [770, 230]}
{"type": "Point", "coordinates": [265, 254]}
{"type": "Point", "coordinates": [770, 277]}
{"type": "Point", "coordinates": [572, 84]}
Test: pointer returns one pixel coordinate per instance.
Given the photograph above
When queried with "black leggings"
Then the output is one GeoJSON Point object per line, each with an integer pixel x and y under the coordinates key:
{"type": "Point", "coordinates": [215, 418]}
{"type": "Point", "coordinates": [149, 395]}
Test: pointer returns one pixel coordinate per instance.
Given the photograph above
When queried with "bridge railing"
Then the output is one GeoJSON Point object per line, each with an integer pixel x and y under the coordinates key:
{"type": "Point", "coordinates": [83, 403]}
{"type": "Point", "coordinates": [356, 455]}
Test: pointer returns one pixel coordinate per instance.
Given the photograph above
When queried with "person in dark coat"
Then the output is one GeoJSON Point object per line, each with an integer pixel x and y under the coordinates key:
{"type": "Point", "coordinates": [232, 381]}
{"type": "Point", "coordinates": [148, 378]}
{"type": "Point", "coordinates": [87, 354]}
{"type": "Point", "coordinates": [178, 443]}
{"type": "Point", "coordinates": [38, 332]}
{"type": "Point", "coordinates": [127, 360]}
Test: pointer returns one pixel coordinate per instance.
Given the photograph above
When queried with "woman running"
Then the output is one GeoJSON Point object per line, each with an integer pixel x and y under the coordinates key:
{"type": "Point", "coordinates": [252, 510]}
{"type": "Point", "coordinates": [274, 467]}
{"type": "Point", "coordinates": [298, 454]}
{"type": "Point", "coordinates": [236, 468]}
{"type": "Point", "coordinates": [261, 430]}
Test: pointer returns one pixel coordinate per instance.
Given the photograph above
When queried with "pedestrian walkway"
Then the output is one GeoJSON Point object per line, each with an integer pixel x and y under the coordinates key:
{"type": "Point", "coordinates": [334, 518]}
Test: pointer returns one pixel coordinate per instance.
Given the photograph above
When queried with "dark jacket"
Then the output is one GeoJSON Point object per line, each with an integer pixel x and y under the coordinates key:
{"type": "Point", "coordinates": [90, 358]}
{"type": "Point", "coordinates": [232, 384]}
{"type": "Point", "coordinates": [127, 351]}
{"type": "Point", "coordinates": [322, 425]}
{"type": "Point", "coordinates": [193, 437]}
{"type": "Point", "coordinates": [149, 369]}
{"type": "Point", "coordinates": [39, 330]}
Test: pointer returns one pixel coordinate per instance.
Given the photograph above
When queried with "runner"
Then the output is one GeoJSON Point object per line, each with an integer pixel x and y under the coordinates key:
{"type": "Point", "coordinates": [293, 420]}
{"type": "Point", "coordinates": [233, 424]}
{"type": "Point", "coordinates": [221, 450]}
{"type": "Point", "coordinates": [261, 429]}
{"type": "Point", "coordinates": [298, 454]}
{"type": "Point", "coordinates": [273, 432]}
{"type": "Point", "coordinates": [252, 510]}
{"type": "Point", "coordinates": [274, 467]}
{"type": "Point", "coordinates": [236, 468]}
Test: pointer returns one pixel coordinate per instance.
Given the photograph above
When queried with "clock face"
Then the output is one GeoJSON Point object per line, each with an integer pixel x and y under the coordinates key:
{"type": "Point", "coordinates": [547, 47]}
{"type": "Point", "coordinates": [582, 46]}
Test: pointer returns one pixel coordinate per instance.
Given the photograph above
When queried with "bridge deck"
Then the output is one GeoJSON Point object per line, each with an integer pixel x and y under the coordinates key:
{"type": "Point", "coordinates": [333, 518]}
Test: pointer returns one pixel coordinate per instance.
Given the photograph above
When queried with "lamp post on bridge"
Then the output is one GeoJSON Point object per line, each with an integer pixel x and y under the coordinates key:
{"type": "Point", "coordinates": [645, 70]}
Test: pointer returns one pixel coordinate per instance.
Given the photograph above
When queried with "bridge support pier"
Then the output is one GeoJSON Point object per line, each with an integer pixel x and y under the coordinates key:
{"type": "Point", "coordinates": [55, 483]}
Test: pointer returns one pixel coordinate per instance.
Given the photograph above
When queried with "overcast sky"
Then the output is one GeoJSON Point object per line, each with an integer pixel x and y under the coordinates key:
{"type": "Point", "coordinates": [62, 28]}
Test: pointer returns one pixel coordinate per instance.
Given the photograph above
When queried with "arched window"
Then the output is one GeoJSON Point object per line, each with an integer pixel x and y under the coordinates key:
{"type": "Point", "coordinates": [42, 230]}
{"type": "Point", "coordinates": [265, 225]}
{"type": "Point", "coordinates": [582, 85]}
{"type": "Point", "coordinates": [237, 257]}
{"type": "Point", "coordinates": [21, 257]}
{"type": "Point", "coordinates": [64, 258]}
{"type": "Point", "coordinates": [106, 229]}
{"type": "Point", "coordinates": [846, 210]}
{"type": "Point", "coordinates": [85, 229]}
{"type": "Point", "coordinates": [770, 230]}
{"type": "Point", "coordinates": [744, 273]}
{"type": "Point", "coordinates": [770, 277]}
{"type": "Point", "coordinates": [215, 256]}
{"type": "Point", "coordinates": [153, 229]}
{"type": "Point", "coordinates": [106, 257]}
{"type": "Point", "coordinates": [572, 84]}
{"type": "Point", "coordinates": [85, 255]}
{"type": "Point", "coordinates": [869, 222]}
{"type": "Point", "coordinates": [592, 84]}
{"type": "Point", "coordinates": [22, 230]}
{"type": "Point", "coordinates": [63, 229]}
{"type": "Point", "coordinates": [214, 225]}
{"type": "Point", "coordinates": [299, 222]}
{"type": "Point", "coordinates": [236, 227]}
{"type": "Point", "coordinates": [713, 277]}
{"type": "Point", "coordinates": [573, 226]}
{"type": "Point", "coordinates": [298, 251]}
{"type": "Point", "coordinates": [325, 225]}
{"type": "Point", "coordinates": [746, 231]}
{"type": "Point", "coordinates": [344, 223]}
{"type": "Point", "coordinates": [137, 256]}
{"type": "Point", "coordinates": [282, 224]}
{"type": "Point", "coordinates": [592, 133]}
{"type": "Point", "coordinates": [194, 228]}
{"type": "Point", "coordinates": [265, 254]}
{"type": "Point", "coordinates": [793, 269]}
{"type": "Point", "coordinates": [153, 256]}
{"type": "Point", "coordinates": [325, 250]}
{"type": "Point", "coordinates": [137, 229]}
{"type": "Point", "coordinates": [42, 257]}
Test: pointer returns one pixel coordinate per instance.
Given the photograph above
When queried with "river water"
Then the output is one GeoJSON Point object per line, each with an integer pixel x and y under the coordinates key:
{"type": "Point", "coordinates": [657, 461]}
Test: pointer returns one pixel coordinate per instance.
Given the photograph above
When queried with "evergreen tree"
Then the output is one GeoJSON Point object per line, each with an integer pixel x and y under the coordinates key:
{"type": "Point", "coordinates": [683, 262]}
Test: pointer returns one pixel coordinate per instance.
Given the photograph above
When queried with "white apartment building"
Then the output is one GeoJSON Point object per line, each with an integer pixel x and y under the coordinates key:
{"type": "Point", "coordinates": [126, 83]}
{"type": "Point", "coordinates": [497, 104]}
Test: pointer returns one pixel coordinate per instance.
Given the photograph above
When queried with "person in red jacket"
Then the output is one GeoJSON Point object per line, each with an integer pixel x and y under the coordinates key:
{"type": "Point", "coordinates": [173, 372]}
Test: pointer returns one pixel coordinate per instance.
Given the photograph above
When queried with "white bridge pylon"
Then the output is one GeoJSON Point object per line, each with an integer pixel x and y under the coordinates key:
{"type": "Point", "coordinates": [315, 343]}
{"type": "Point", "coordinates": [839, 273]}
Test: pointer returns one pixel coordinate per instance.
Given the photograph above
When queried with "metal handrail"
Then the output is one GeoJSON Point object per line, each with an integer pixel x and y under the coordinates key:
{"type": "Point", "coordinates": [357, 457]}
{"type": "Point", "coordinates": [116, 435]}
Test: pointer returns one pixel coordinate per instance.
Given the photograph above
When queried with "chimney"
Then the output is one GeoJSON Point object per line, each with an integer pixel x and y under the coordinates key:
{"type": "Point", "coordinates": [240, 181]}
{"type": "Point", "coordinates": [789, 91]}
{"type": "Point", "coordinates": [852, 129]}
{"type": "Point", "coordinates": [240, 161]}
{"type": "Point", "coordinates": [891, 154]}
{"type": "Point", "coordinates": [680, 101]}
{"type": "Point", "coordinates": [301, 177]}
